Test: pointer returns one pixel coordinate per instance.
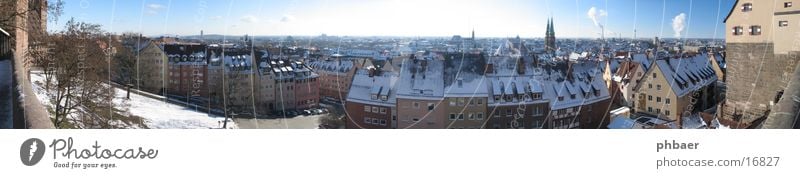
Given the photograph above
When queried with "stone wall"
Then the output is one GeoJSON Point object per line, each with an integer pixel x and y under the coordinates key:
{"type": "Point", "coordinates": [755, 76]}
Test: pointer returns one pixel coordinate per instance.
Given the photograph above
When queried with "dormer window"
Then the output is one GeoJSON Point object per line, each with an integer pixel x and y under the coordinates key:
{"type": "Point", "coordinates": [755, 30]}
{"type": "Point", "coordinates": [738, 30]}
{"type": "Point", "coordinates": [747, 7]}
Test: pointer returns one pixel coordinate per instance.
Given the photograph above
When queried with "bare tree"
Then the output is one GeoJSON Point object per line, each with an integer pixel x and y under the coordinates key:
{"type": "Point", "coordinates": [77, 63]}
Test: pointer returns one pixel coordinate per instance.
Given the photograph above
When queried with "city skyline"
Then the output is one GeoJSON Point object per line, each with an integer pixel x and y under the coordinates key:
{"type": "Point", "coordinates": [509, 18]}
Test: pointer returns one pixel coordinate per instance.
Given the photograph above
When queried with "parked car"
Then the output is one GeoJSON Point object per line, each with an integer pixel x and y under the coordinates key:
{"type": "Point", "coordinates": [307, 112]}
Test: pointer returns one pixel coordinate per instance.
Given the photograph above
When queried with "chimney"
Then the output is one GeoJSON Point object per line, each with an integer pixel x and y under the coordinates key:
{"type": "Point", "coordinates": [521, 66]}
{"type": "Point", "coordinates": [460, 83]}
{"type": "Point", "coordinates": [371, 72]}
{"type": "Point", "coordinates": [535, 61]}
{"type": "Point", "coordinates": [569, 71]}
{"type": "Point", "coordinates": [489, 68]}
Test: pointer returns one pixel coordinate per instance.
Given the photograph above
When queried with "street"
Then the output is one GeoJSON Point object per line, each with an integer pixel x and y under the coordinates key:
{"type": "Point", "coordinates": [299, 122]}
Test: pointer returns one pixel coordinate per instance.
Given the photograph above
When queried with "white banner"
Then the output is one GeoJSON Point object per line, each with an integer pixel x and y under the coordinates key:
{"type": "Point", "coordinates": [398, 153]}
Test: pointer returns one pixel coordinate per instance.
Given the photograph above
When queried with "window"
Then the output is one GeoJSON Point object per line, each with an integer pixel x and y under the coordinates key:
{"type": "Point", "coordinates": [738, 30]}
{"type": "Point", "coordinates": [415, 119]}
{"type": "Point", "coordinates": [366, 109]}
{"type": "Point", "coordinates": [452, 101]}
{"type": "Point", "coordinates": [415, 104]}
{"type": "Point", "coordinates": [480, 101]}
{"type": "Point", "coordinates": [783, 23]}
{"type": "Point", "coordinates": [667, 101]}
{"type": "Point", "coordinates": [755, 30]}
{"type": "Point", "coordinates": [747, 7]}
{"type": "Point", "coordinates": [452, 116]}
{"type": "Point", "coordinates": [471, 102]}
{"type": "Point", "coordinates": [383, 122]}
{"type": "Point", "coordinates": [658, 111]}
{"type": "Point", "coordinates": [649, 97]}
{"type": "Point", "coordinates": [649, 85]}
{"type": "Point", "coordinates": [461, 101]}
{"type": "Point", "coordinates": [537, 111]}
{"type": "Point", "coordinates": [383, 110]}
{"type": "Point", "coordinates": [649, 109]}
{"type": "Point", "coordinates": [666, 112]}
{"type": "Point", "coordinates": [367, 120]}
{"type": "Point", "coordinates": [787, 4]}
{"type": "Point", "coordinates": [480, 116]}
{"type": "Point", "coordinates": [375, 110]}
{"type": "Point", "coordinates": [430, 106]}
{"type": "Point", "coordinates": [508, 112]}
{"type": "Point", "coordinates": [654, 75]}
{"type": "Point", "coordinates": [471, 116]}
{"type": "Point", "coordinates": [375, 121]}
{"type": "Point", "coordinates": [460, 116]}
{"type": "Point", "coordinates": [560, 98]}
{"type": "Point", "coordinates": [658, 87]}
{"type": "Point", "coordinates": [658, 99]}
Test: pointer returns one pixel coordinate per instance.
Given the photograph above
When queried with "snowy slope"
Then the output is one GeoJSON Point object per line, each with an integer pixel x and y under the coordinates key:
{"type": "Point", "coordinates": [158, 114]}
{"type": "Point", "coordinates": [162, 115]}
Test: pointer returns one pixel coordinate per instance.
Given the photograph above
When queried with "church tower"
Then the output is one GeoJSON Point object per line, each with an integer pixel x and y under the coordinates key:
{"type": "Point", "coordinates": [550, 37]}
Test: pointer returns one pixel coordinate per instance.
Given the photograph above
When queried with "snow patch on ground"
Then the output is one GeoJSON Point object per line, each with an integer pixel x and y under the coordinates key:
{"type": "Point", "coordinates": [157, 114]}
{"type": "Point", "coordinates": [162, 115]}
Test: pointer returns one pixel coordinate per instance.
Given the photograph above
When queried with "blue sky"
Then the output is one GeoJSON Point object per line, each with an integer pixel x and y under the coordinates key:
{"type": "Point", "coordinates": [489, 18]}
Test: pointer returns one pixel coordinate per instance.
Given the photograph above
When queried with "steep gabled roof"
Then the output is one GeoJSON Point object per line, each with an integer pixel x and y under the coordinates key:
{"type": "Point", "coordinates": [731, 12]}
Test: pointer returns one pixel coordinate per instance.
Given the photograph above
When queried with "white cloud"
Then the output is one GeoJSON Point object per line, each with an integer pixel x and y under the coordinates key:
{"type": "Point", "coordinates": [215, 18]}
{"type": "Point", "coordinates": [153, 9]}
{"type": "Point", "coordinates": [596, 15]}
{"type": "Point", "coordinates": [678, 24]}
{"type": "Point", "coordinates": [287, 18]}
{"type": "Point", "coordinates": [249, 19]}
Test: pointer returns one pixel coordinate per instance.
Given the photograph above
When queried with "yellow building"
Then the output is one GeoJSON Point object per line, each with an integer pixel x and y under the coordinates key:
{"type": "Point", "coordinates": [676, 87]}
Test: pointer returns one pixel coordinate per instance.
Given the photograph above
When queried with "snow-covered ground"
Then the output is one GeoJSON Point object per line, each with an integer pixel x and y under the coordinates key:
{"type": "Point", "coordinates": [157, 113]}
{"type": "Point", "coordinates": [5, 94]}
{"type": "Point", "coordinates": [162, 115]}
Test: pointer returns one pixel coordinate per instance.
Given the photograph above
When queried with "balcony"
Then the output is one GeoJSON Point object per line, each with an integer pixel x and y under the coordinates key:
{"type": "Point", "coordinates": [16, 111]}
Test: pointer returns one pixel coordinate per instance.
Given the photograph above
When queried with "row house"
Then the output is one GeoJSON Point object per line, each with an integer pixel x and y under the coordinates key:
{"type": "Point", "coordinates": [335, 78]}
{"type": "Point", "coordinates": [371, 102]}
{"type": "Point", "coordinates": [579, 97]}
{"type": "Point", "coordinates": [420, 94]}
{"type": "Point", "coordinates": [266, 84]}
{"type": "Point", "coordinates": [152, 68]}
{"type": "Point", "coordinates": [187, 71]}
{"type": "Point", "coordinates": [515, 91]}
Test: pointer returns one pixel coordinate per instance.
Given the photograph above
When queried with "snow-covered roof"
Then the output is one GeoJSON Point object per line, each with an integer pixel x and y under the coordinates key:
{"type": "Point", "coordinates": [364, 86]}
{"type": "Point", "coordinates": [687, 73]}
{"type": "Point", "coordinates": [467, 85]}
{"type": "Point", "coordinates": [587, 86]}
{"type": "Point", "coordinates": [341, 66]}
{"type": "Point", "coordinates": [424, 83]}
